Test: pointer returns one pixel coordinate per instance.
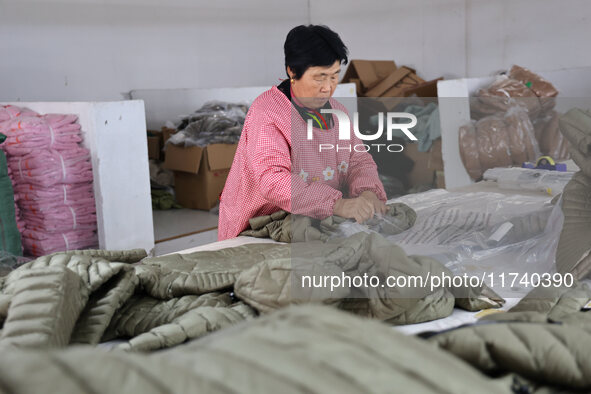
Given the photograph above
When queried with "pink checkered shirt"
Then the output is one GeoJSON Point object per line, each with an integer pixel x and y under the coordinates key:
{"type": "Point", "coordinates": [276, 167]}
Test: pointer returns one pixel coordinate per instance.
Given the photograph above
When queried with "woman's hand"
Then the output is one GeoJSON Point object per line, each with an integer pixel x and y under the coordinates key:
{"type": "Point", "coordinates": [360, 209]}
{"type": "Point", "coordinates": [378, 205]}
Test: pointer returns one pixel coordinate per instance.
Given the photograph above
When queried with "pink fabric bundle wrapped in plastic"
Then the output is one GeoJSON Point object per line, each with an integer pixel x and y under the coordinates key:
{"type": "Point", "coordinates": [49, 167]}
{"type": "Point", "coordinates": [28, 133]}
{"type": "Point", "coordinates": [8, 112]}
{"type": "Point", "coordinates": [52, 177]}
{"type": "Point", "coordinates": [58, 193]}
{"type": "Point", "coordinates": [41, 243]}
{"type": "Point", "coordinates": [60, 217]}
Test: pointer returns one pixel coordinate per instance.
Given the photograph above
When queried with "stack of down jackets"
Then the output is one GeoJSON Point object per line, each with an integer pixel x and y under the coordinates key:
{"type": "Point", "coordinates": [540, 346]}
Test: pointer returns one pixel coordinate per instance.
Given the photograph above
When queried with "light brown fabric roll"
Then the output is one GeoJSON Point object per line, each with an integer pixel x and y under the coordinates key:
{"type": "Point", "coordinates": [493, 145]}
{"type": "Point", "coordinates": [469, 150]}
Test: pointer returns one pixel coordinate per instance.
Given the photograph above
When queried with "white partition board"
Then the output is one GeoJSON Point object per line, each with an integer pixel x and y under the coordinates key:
{"type": "Point", "coordinates": [454, 111]}
{"type": "Point", "coordinates": [115, 134]}
{"type": "Point", "coordinates": [164, 105]}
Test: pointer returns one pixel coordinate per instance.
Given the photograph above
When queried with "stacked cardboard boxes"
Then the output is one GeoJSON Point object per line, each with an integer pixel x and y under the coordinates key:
{"type": "Point", "coordinates": [382, 86]}
{"type": "Point", "coordinates": [382, 78]}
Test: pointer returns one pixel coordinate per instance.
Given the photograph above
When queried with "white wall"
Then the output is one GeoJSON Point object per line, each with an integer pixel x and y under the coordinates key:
{"type": "Point", "coordinates": [428, 35]}
{"type": "Point", "coordinates": [539, 34]}
{"type": "Point", "coordinates": [98, 49]}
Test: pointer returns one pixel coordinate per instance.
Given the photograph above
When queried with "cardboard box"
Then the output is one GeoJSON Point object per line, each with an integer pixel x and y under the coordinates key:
{"type": "Point", "coordinates": [439, 180]}
{"type": "Point", "coordinates": [397, 76]}
{"type": "Point", "coordinates": [368, 73]}
{"type": "Point", "coordinates": [381, 78]}
{"type": "Point", "coordinates": [154, 145]}
{"type": "Point", "coordinates": [200, 173]}
{"type": "Point", "coordinates": [426, 164]}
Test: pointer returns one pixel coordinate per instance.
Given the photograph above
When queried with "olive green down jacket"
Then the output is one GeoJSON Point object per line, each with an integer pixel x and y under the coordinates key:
{"type": "Point", "coordinates": [88, 297]}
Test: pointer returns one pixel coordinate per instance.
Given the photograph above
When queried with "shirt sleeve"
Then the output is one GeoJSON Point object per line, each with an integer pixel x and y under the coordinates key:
{"type": "Point", "coordinates": [270, 155]}
{"type": "Point", "coordinates": [362, 173]}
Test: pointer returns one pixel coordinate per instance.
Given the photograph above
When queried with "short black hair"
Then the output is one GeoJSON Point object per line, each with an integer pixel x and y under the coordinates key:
{"type": "Point", "coordinates": [312, 45]}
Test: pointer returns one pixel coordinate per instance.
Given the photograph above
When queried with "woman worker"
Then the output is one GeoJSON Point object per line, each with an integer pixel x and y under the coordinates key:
{"type": "Point", "coordinates": [277, 167]}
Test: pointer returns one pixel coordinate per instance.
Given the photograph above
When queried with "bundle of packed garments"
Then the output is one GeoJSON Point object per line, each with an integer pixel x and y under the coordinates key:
{"type": "Point", "coordinates": [214, 123]}
{"type": "Point", "coordinates": [52, 178]}
{"type": "Point", "coordinates": [513, 121]}
{"type": "Point", "coordinates": [29, 134]}
{"type": "Point", "coordinates": [8, 112]}
{"type": "Point", "coordinates": [520, 86]}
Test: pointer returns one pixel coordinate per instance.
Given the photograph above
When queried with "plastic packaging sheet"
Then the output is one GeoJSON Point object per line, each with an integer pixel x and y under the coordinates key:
{"type": "Point", "coordinates": [9, 262]}
{"type": "Point", "coordinates": [516, 178]}
{"type": "Point", "coordinates": [481, 234]}
{"type": "Point", "coordinates": [214, 123]}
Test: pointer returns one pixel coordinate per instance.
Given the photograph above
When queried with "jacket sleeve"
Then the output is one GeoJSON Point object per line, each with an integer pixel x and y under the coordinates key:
{"type": "Point", "coordinates": [362, 173]}
{"type": "Point", "coordinates": [270, 155]}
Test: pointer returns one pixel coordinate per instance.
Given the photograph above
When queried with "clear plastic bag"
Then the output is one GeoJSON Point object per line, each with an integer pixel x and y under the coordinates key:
{"type": "Point", "coordinates": [396, 220]}
{"type": "Point", "coordinates": [542, 88]}
{"type": "Point", "coordinates": [484, 234]}
{"type": "Point", "coordinates": [9, 262]}
{"type": "Point", "coordinates": [504, 93]}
